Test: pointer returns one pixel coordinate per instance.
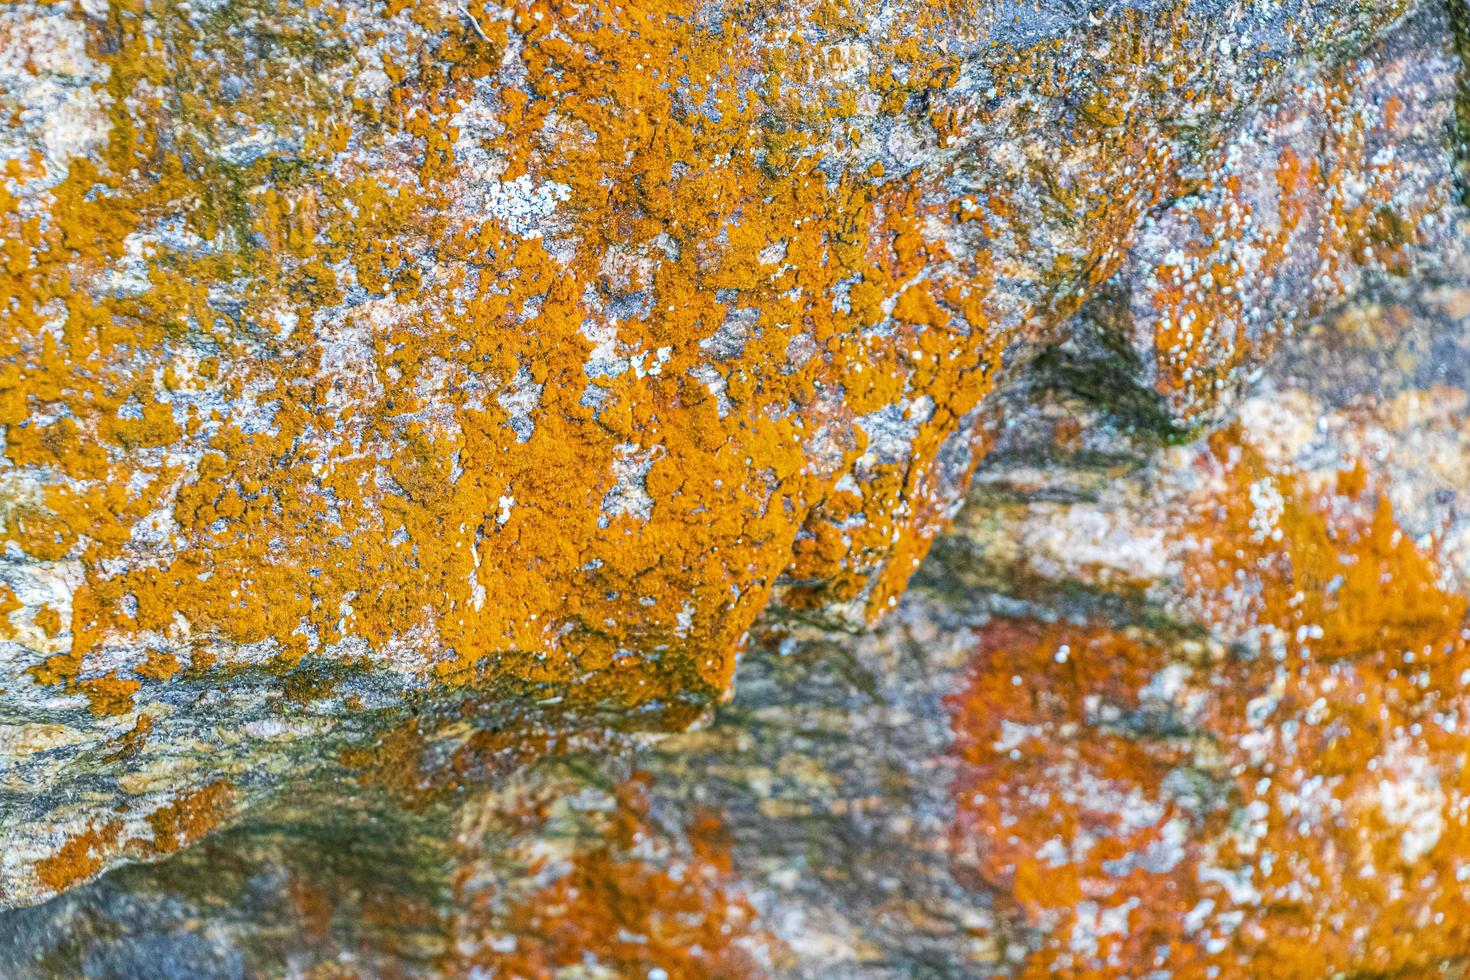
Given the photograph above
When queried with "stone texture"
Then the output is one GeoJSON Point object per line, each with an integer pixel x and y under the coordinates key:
{"type": "Point", "coordinates": [411, 408]}
{"type": "Point", "coordinates": [1117, 726]}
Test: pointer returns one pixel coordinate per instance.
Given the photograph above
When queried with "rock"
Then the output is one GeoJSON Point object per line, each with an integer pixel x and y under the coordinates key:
{"type": "Point", "coordinates": [395, 396]}
{"type": "Point", "coordinates": [1145, 707]}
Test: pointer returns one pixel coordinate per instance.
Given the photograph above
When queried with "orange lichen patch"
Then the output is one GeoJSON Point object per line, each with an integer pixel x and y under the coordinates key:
{"type": "Point", "coordinates": [306, 686]}
{"type": "Point", "coordinates": [190, 816]}
{"type": "Point", "coordinates": [9, 603]}
{"type": "Point", "coordinates": [421, 765]}
{"type": "Point", "coordinates": [543, 338]}
{"type": "Point", "coordinates": [81, 857]}
{"type": "Point", "coordinates": [1201, 333]}
{"type": "Point", "coordinates": [158, 666]}
{"type": "Point", "coordinates": [59, 668]}
{"type": "Point", "coordinates": [394, 760]}
{"type": "Point", "coordinates": [865, 538]}
{"type": "Point", "coordinates": [355, 928]}
{"type": "Point", "coordinates": [627, 904]}
{"type": "Point", "coordinates": [174, 825]}
{"type": "Point", "coordinates": [109, 694]}
{"type": "Point", "coordinates": [487, 754]}
{"type": "Point", "coordinates": [484, 499]}
{"type": "Point", "coordinates": [1329, 575]}
{"type": "Point", "coordinates": [1060, 807]}
{"type": "Point", "coordinates": [49, 620]}
{"type": "Point", "coordinates": [314, 906]}
{"type": "Point", "coordinates": [106, 695]}
{"type": "Point", "coordinates": [546, 338]}
{"type": "Point", "coordinates": [1296, 807]}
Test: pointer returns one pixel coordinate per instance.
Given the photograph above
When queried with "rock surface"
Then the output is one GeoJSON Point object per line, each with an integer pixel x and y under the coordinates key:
{"type": "Point", "coordinates": [410, 409]}
{"type": "Point", "coordinates": [1126, 721]}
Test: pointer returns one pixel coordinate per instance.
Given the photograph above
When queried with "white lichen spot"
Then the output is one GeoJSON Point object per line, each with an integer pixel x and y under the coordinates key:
{"type": "Point", "coordinates": [128, 275]}
{"type": "Point", "coordinates": [523, 205]}
{"type": "Point", "coordinates": [1267, 506]}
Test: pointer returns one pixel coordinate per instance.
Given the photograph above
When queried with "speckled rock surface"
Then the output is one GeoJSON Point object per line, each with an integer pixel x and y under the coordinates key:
{"type": "Point", "coordinates": [1188, 710]}
{"type": "Point", "coordinates": [411, 410]}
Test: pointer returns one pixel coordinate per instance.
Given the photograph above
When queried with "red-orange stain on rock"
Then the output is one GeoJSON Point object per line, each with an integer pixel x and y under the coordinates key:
{"type": "Point", "coordinates": [628, 903]}
{"type": "Point", "coordinates": [1291, 806]}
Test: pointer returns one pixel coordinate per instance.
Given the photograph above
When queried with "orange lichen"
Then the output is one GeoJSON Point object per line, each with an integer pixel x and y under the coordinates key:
{"type": "Point", "coordinates": [1295, 808]}
{"type": "Point", "coordinates": [259, 511]}
{"type": "Point", "coordinates": [174, 825]}
{"type": "Point", "coordinates": [9, 603]}
{"type": "Point", "coordinates": [190, 816]}
{"type": "Point", "coordinates": [81, 857]}
{"type": "Point", "coordinates": [538, 341]}
{"type": "Point", "coordinates": [158, 666]}
{"type": "Point", "coordinates": [1050, 797]}
{"type": "Point", "coordinates": [109, 694]}
{"type": "Point", "coordinates": [49, 621]}
{"type": "Point", "coordinates": [421, 763]}
{"type": "Point", "coordinates": [1331, 575]}
{"type": "Point", "coordinates": [130, 742]}
{"type": "Point", "coordinates": [1316, 223]}
{"type": "Point", "coordinates": [439, 362]}
{"type": "Point", "coordinates": [106, 695]}
{"type": "Point", "coordinates": [624, 905]}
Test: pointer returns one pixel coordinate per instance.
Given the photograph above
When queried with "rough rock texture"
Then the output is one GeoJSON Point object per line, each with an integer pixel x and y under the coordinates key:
{"type": "Point", "coordinates": [406, 404]}
{"type": "Point", "coordinates": [1148, 709]}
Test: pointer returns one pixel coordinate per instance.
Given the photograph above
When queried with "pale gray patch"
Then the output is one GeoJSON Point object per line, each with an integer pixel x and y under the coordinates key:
{"type": "Point", "coordinates": [629, 493]}
{"type": "Point", "coordinates": [519, 401]}
{"type": "Point", "coordinates": [522, 205]}
{"type": "Point", "coordinates": [891, 430]}
{"type": "Point", "coordinates": [728, 342]}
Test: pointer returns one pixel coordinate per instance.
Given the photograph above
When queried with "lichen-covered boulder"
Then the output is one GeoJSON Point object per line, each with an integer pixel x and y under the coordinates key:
{"type": "Point", "coordinates": [1125, 720]}
{"type": "Point", "coordinates": [362, 361]}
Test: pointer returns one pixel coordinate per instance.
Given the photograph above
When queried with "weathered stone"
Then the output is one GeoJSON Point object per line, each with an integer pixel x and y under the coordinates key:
{"type": "Point", "coordinates": [398, 394]}
{"type": "Point", "coordinates": [1114, 727]}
